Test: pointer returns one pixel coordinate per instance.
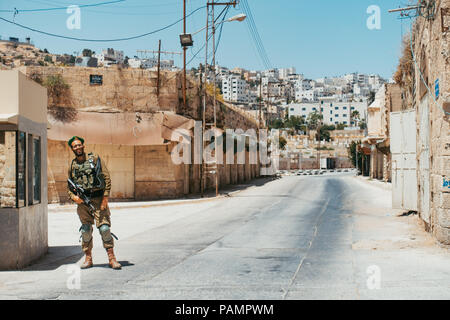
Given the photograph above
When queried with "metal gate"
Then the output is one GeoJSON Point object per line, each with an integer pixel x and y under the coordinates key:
{"type": "Point", "coordinates": [424, 160]}
{"type": "Point", "coordinates": [404, 165]}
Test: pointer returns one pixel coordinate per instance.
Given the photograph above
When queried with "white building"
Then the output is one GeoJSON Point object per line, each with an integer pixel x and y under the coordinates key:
{"type": "Point", "coordinates": [307, 95]}
{"type": "Point", "coordinates": [286, 72]}
{"type": "Point", "coordinates": [150, 63]}
{"type": "Point", "coordinates": [333, 112]}
{"type": "Point", "coordinates": [109, 56]}
{"type": "Point", "coordinates": [236, 90]}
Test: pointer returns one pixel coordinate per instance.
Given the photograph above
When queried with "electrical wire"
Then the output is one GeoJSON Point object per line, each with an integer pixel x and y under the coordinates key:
{"type": "Point", "coordinates": [101, 40]}
{"type": "Point", "coordinates": [16, 11]}
{"type": "Point", "coordinates": [255, 35]}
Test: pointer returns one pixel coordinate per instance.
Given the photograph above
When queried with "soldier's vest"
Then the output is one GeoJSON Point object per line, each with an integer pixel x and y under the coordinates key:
{"type": "Point", "coordinates": [84, 174]}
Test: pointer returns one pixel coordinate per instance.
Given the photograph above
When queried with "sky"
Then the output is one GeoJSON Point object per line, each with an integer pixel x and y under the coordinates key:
{"type": "Point", "coordinates": [320, 38]}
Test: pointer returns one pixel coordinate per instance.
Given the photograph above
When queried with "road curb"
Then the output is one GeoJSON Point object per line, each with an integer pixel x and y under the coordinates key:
{"type": "Point", "coordinates": [376, 183]}
{"type": "Point", "coordinates": [163, 203]}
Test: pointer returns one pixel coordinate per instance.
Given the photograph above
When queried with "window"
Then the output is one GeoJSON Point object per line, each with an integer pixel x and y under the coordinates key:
{"type": "Point", "coordinates": [21, 165]}
{"type": "Point", "coordinates": [36, 170]}
{"type": "Point", "coordinates": [336, 108]}
{"type": "Point", "coordinates": [345, 115]}
{"type": "Point", "coordinates": [20, 169]}
{"type": "Point", "coordinates": [345, 108]}
{"type": "Point", "coordinates": [8, 167]}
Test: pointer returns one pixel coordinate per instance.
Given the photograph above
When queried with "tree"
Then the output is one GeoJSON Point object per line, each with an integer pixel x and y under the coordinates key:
{"type": "Point", "coordinates": [363, 125]}
{"type": "Point", "coordinates": [282, 142]}
{"type": "Point", "coordinates": [313, 120]}
{"type": "Point", "coordinates": [341, 126]}
{"type": "Point", "coordinates": [276, 124]}
{"type": "Point", "coordinates": [355, 117]}
{"type": "Point", "coordinates": [48, 59]}
{"type": "Point", "coordinates": [295, 122]}
{"type": "Point", "coordinates": [87, 53]}
{"type": "Point", "coordinates": [353, 155]}
{"type": "Point", "coordinates": [325, 132]}
{"type": "Point", "coordinates": [125, 62]}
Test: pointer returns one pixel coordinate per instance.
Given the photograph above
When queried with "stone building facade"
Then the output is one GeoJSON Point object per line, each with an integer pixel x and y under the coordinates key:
{"type": "Point", "coordinates": [429, 94]}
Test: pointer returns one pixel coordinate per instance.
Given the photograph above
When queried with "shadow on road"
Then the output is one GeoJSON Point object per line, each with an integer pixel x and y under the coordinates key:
{"type": "Point", "coordinates": [105, 265]}
{"type": "Point", "coordinates": [56, 257]}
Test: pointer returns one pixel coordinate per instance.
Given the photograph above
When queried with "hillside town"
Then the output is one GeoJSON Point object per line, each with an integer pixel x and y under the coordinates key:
{"type": "Point", "coordinates": [305, 184]}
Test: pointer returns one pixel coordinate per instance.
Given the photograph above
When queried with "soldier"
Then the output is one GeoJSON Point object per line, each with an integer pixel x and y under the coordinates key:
{"type": "Point", "coordinates": [82, 173]}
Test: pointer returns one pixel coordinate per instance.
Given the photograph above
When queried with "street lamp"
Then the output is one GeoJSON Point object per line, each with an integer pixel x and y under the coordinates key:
{"type": "Point", "coordinates": [186, 39]}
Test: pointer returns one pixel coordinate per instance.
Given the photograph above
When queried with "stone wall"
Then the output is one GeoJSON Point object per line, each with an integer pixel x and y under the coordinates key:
{"type": "Point", "coordinates": [132, 90]}
{"type": "Point", "coordinates": [135, 90]}
{"type": "Point", "coordinates": [432, 52]}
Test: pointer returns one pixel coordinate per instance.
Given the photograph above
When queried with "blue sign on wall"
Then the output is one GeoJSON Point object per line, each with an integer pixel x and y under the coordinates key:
{"type": "Point", "coordinates": [436, 88]}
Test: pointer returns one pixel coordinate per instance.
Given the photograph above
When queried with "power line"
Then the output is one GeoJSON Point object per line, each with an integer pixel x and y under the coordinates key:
{"type": "Point", "coordinates": [258, 38]}
{"type": "Point", "coordinates": [16, 11]}
{"type": "Point", "coordinates": [101, 40]}
{"type": "Point", "coordinates": [255, 35]}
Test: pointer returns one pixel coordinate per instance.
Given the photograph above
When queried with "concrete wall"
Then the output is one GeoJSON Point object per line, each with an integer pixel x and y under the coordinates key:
{"type": "Point", "coordinates": [156, 175]}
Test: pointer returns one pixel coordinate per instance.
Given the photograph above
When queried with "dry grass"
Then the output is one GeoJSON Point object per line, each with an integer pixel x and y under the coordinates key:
{"type": "Point", "coordinates": [404, 76]}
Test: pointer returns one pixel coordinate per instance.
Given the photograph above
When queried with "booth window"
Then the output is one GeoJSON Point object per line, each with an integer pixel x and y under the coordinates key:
{"type": "Point", "coordinates": [20, 169]}
{"type": "Point", "coordinates": [21, 166]}
{"type": "Point", "coordinates": [8, 194]}
{"type": "Point", "coordinates": [36, 170]}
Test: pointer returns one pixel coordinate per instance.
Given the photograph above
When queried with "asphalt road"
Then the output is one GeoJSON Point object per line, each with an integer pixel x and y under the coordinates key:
{"type": "Point", "coordinates": [291, 238]}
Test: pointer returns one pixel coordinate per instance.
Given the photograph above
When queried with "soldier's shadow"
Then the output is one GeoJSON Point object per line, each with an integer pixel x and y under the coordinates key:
{"type": "Point", "coordinates": [105, 265]}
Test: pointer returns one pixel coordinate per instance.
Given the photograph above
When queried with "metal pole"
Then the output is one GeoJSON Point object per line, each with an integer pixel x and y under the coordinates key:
{"type": "Point", "coordinates": [214, 99]}
{"type": "Point", "coordinates": [184, 57]}
{"type": "Point", "coordinates": [260, 101]}
{"type": "Point", "coordinates": [159, 67]}
{"type": "Point", "coordinates": [204, 99]}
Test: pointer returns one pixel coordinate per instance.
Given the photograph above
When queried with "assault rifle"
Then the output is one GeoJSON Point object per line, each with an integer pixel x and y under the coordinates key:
{"type": "Point", "coordinates": [79, 191]}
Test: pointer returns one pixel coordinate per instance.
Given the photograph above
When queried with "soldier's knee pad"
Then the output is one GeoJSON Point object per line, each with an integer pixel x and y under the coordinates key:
{"type": "Point", "coordinates": [105, 232]}
{"type": "Point", "coordinates": [86, 232]}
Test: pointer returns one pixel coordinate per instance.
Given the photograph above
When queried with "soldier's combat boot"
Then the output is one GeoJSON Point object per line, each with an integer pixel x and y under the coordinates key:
{"type": "Point", "coordinates": [112, 259]}
{"type": "Point", "coordinates": [88, 260]}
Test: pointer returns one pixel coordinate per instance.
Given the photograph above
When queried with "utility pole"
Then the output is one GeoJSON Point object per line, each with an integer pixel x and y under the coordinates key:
{"type": "Point", "coordinates": [210, 12]}
{"type": "Point", "coordinates": [319, 126]}
{"type": "Point", "coordinates": [260, 102]}
{"type": "Point", "coordinates": [159, 68]}
{"type": "Point", "coordinates": [184, 57]}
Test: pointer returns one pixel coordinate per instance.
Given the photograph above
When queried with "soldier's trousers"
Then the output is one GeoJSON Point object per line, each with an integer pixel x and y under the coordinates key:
{"type": "Point", "coordinates": [102, 217]}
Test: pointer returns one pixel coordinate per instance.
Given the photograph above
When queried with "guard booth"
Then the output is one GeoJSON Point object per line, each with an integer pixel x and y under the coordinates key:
{"type": "Point", "coordinates": [23, 170]}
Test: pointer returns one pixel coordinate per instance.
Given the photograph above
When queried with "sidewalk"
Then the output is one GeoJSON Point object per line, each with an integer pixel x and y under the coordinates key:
{"type": "Point", "coordinates": [375, 182]}
{"type": "Point", "coordinates": [189, 199]}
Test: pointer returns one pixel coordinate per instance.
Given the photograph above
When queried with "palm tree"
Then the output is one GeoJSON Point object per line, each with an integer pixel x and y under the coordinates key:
{"type": "Point", "coordinates": [355, 115]}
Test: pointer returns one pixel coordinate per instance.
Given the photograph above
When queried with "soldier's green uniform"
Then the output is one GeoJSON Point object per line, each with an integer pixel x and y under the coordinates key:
{"type": "Point", "coordinates": [83, 174]}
